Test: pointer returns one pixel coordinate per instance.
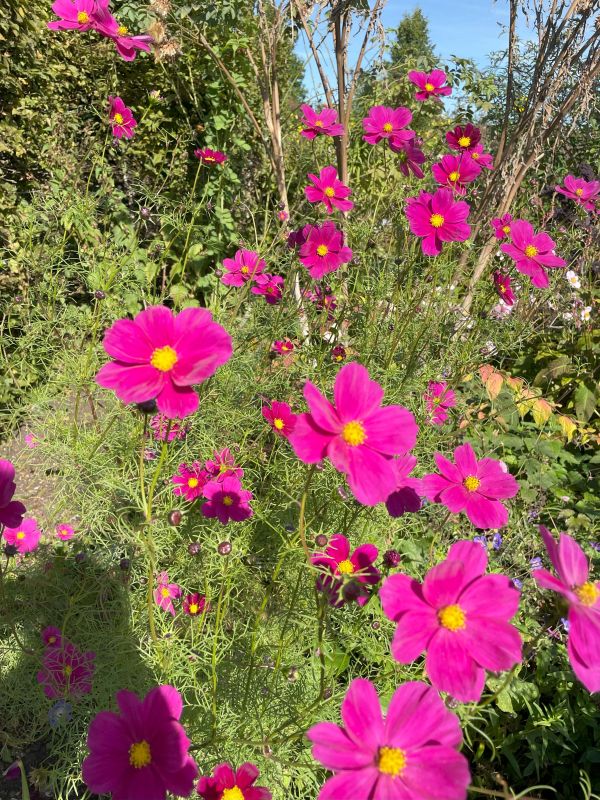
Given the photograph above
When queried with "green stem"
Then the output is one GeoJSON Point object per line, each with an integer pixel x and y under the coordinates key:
{"type": "Point", "coordinates": [302, 515]}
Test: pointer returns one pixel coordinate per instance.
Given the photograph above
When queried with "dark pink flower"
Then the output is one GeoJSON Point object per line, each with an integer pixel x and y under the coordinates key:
{"type": "Point", "coordinates": [226, 500]}
{"type": "Point", "coordinates": [225, 783]}
{"type": "Point", "coordinates": [222, 465]}
{"type": "Point", "coordinates": [280, 417]}
{"type": "Point", "coordinates": [464, 138]}
{"type": "Point", "coordinates": [429, 84]}
{"type": "Point", "coordinates": [52, 637]}
{"type": "Point", "coordinates": [246, 265]}
{"type": "Point", "coordinates": [161, 355]}
{"type": "Point", "coordinates": [475, 487]}
{"type": "Point", "coordinates": [66, 670]}
{"type": "Point", "coordinates": [140, 753]}
{"type": "Point", "coordinates": [64, 532]}
{"type": "Point", "coordinates": [456, 172]}
{"type": "Point", "coordinates": [324, 250]}
{"type": "Point", "coordinates": [330, 191]}
{"type": "Point", "coordinates": [121, 118]}
{"type": "Point", "coordinates": [438, 399]}
{"type": "Point", "coordinates": [501, 226]}
{"type": "Point", "coordinates": [483, 159]}
{"type": "Point", "coordinates": [411, 754]}
{"type": "Point", "coordinates": [25, 537]}
{"type": "Point", "coordinates": [194, 605]}
{"type": "Point", "coordinates": [282, 347]}
{"type": "Point", "coordinates": [165, 593]}
{"type": "Point", "coordinates": [270, 287]}
{"type": "Point", "coordinates": [74, 14]}
{"type": "Point", "coordinates": [189, 480]}
{"type": "Point", "coordinates": [410, 157]}
{"type": "Point", "coordinates": [339, 567]}
{"type": "Point", "coordinates": [438, 218]}
{"type": "Point", "coordinates": [584, 193]}
{"type": "Point", "coordinates": [583, 596]}
{"type": "Point", "coordinates": [11, 511]}
{"type": "Point", "coordinates": [358, 435]}
{"type": "Point", "coordinates": [460, 616]}
{"type": "Point", "coordinates": [338, 353]}
{"type": "Point", "coordinates": [532, 252]}
{"type": "Point", "coordinates": [323, 298]}
{"type": "Point", "coordinates": [502, 287]}
{"type": "Point", "coordinates": [282, 215]}
{"type": "Point", "coordinates": [210, 157]}
{"type": "Point", "coordinates": [323, 123]}
{"type": "Point", "coordinates": [388, 123]}
{"type": "Point", "coordinates": [126, 45]}
{"type": "Point", "coordinates": [297, 238]}
{"type": "Point", "coordinates": [166, 429]}
{"type": "Point", "coordinates": [407, 494]}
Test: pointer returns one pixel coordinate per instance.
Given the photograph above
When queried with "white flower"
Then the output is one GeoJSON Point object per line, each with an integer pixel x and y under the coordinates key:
{"type": "Point", "coordinates": [586, 313]}
{"type": "Point", "coordinates": [573, 279]}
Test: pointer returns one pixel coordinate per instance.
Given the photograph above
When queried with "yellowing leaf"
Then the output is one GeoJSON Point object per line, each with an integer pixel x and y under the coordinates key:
{"type": "Point", "coordinates": [568, 426]}
{"type": "Point", "coordinates": [542, 411]}
{"type": "Point", "coordinates": [493, 385]}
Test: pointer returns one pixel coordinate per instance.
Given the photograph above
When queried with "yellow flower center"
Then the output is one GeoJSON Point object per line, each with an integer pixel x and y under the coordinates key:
{"type": "Point", "coordinates": [353, 433]}
{"type": "Point", "coordinates": [235, 793]}
{"type": "Point", "coordinates": [245, 270]}
{"type": "Point", "coordinates": [21, 535]}
{"type": "Point", "coordinates": [67, 670]}
{"type": "Point", "coordinates": [193, 608]}
{"type": "Point", "coordinates": [322, 250]}
{"type": "Point", "coordinates": [83, 17]}
{"type": "Point", "coordinates": [209, 158]}
{"type": "Point", "coordinates": [139, 754]}
{"type": "Point", "coordinates": [388, 127]}
{"type": "Point", "coordinates": [475, 156]}
{"type": "Point", "coordinates": [279, 423]}
{"type": "Point", "coordinates": [346, 567]}
{"type": "Point", "coordinates": [506, 229]}
{"type": "Point", "coordinates": [165, 592]}
{"type": "Point", "coordinates": [454, 176]}
{"type": "Point", "coordinates": [471, 483]}
{"type": "Point", "coordinates": [436, 220]}
{"type": "Point", "coordinates": [118, 118]}
{"type": "Point", "coordinates": [392, 761]}
{"type": "Point", "coordinates": [531, 251]}
{"type": "Point", "coordinates": [192, 483]}
{"type": "Point", "coordinates": [319, 123]}
{"type": "Point", "coordinates": [164, 358]}
{"type": "Point", "coordinates": [578, 192]}
{"type": "Point", "coordinates": [227, 501]}
{"type": "Point", "coordinates": [464, 141]}
{"type": "Point", "coordinates": [587, 593]}
{"type": "Point", "coordinates": [122, 30]}
{"type": "Point", "coordinates": [502, 288]}
{"type": "Point", "coordinates": [329, 191]}
{"type": "Point", "coordinates": [429, 87]}
{"type": "Point", "coordinates": [51, 639]}
{"type": "Point", "coordinates": [452, 618]}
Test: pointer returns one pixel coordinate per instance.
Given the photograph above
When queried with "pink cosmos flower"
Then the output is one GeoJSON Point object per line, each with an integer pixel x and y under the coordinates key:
{"type": "Point", "coordinates": [25, 537]}
{"type": "Point", "coordinates": [323, 123]}
{"type": "Point", "coordinates": [270, 286]}
{"type": "Point", "coordinates": [324, 299]}
{"type": "Point", "coordinates": [338, 353]}
{"type": "Point", "coordinates": [210, 157]}
{"type": "Point", "coordinates": [324, 250]}
{"type": "Point", "coordinates": [344, 574]}
{"type": "Point", "coordinates": [410, 158]}
{"type": "Point", "coordinates": [11, 511]}
{"type": "Point", "coordinates": [532, 252]}
{"type": "Point", "coordinates": [74, 14]}
{"type": "Point", "coordinates": [226, 500]}
{"type": "Point", "coordinates": [475, 487]}
{"type": "Point", "coordinates": [121, 118]}
{"type": "Point", "coordinates": [51, 636]}
{"type": "Point", "coordinates": [460, 616]}
{"type": "Point", "coordinates": [280, 417]}
{"type": "Point", "coordinates": [31, 441]}
{"type": "Point", "coordinates": [330, 191]}
{"type": "Point", "coordinates": [438, 218]}
{"type": "Point", "coordinates": [483, 159]}
{"type": "Point", "coordinates": [455, 172]}
{"type": "Point", "coordinates": [64, 532]}
{"type": "Point", "coordinates": [584, 193]}
{"type": "Point", "coordinates": [166, 429]}
{"type": "Point", "coordinates": [429, 84]}
{"type": "Point", "coordinates": [282, 346]}
{"type": "Point", "coordinates": [140, 753]}
{"type": "Point", "coordinates": [502, 287]}
{"type": "Point", "coordinates": [246, 265]}
{"type": "Point", "coordinates": [583, 596]}
{"type": "Point", "coordinates": [407, 494]}
{"type": "Point", "coordinates": [165, 593]}
{"type": "Point", "coordinates": [438, 399]}
{"type": "Point", "coordinates": [411, 754]}
{"type": "Point", "coordinates": [388, 123]}
{"type": "Point", "coordinates": [282, 215]}
{"type": "Point", "coordinates": [222, 465]}
{"type": "Point", "coordinates": [160, 355]}
{"type": "Point", "coordinates": [464, 138]}
{"type": "Point", "coordinates": [194, 605]}
{"type": "Point", "coordinates": [358, 435]}
{"type": "Point", "coordinates": [189, 480]}
{"type": "Point", "coordinates": [501, 226]}
{"type": "Point", "coordinates": [126, 45]}
{"type": "Point", "coordinates": [66, 670]}
{"type": "Point", "coordinates": [225, 783]}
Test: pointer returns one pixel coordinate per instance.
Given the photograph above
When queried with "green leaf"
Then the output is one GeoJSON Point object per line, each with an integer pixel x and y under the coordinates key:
{"type": "Point", "coordinates": [585, 402]}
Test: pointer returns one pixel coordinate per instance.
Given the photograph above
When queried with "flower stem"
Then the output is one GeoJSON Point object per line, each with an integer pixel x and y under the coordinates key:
{"type": "Point", "coordinates": [302, 516]}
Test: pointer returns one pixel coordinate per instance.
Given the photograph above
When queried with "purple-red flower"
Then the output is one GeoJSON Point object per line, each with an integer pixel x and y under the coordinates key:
{"type": "Point", "coordinates": [456, 172]}
{"type": "Point", "coordinates": [388, 123]}
{"type": "Point", "coordinates": [64, 532]}
{"type": "Point", "coordinates": [222, 465]}
{"type": "Point", "coordinates": [270, 287]}
{"type": "Point", "coordinates": [438, 218]}
{"type": "Point", "coordinates": [411, 754]}
{"type": "Point", "coordinates": [140, 753]}
{"type": "Point", "coordinates": [460, 616]}
{"type": "Point", "coordinates": [410, 157]}
{"type": "Point", "coordinates": [246, 265]}
{"type": "Point", "coordinates": [483, 159]}
{"type": "Point", "coordinates": [166, 429]}
{"type": "Point", "coordinates": [324, 250]}
{"type": "Point", "coordinates": [297, 238]}
{"type": "Point", "coordinates": [161, 355]}
{"type": "Point", "coordinates": [166, 592]}
{"type": "Point", "coordinates": [126, 45]}
{"type": "Point", "coordinates": [280, 417]}
{"type": "Point", "coordinates": [25, 537]}
{"type": "Point", "coordinates": [338, 353]}
{"type": "Point", "coordinates": [475, 487]}
{"type": "Point", "coordinates": [225, 783]}
{"type": "Point", "coordinates": [189, 480]}
{"type": "Point", "coordinates": [429, 84]}
{"type": "Point", "coordinates": [464, 138]}
{"type": "Point", "coordinates": [330, 191]}
{"type": "Point", "coordinates": [583, 596]}
{"type": "Point", "coordinates": [51, 636]}
{"type": "Point", "coordinates": [532, 252]}
{"type": "Point", "coordinates": [407, 494]}
{"type": "Point", "coordinates": [438, 399]}
{"type": "Point", "coordinates": [66, 670]}
{"type": "Point", "coordinates": [501, 226]}
{"type": "Point", "coordinates": [11, 511]}
{"type": "Point", "coordinates": [74, 14]}
{"type": "Point", "coordinates": [226, 500]}
{"type": "Point", "coordinates": [210, 157]}
{"type": "Point", "coordinates": [357, 434]}
{"type": "Point", "coordinates": [121, 118]}
{"type": "Point", "coordinates": [584, 193]}
{"type": "Point", "coordinates": [324, 123]}
{"type": "Point", "coordinates": [502, 286]}
{"type": "Point", "coordinates": [194, 605]}
{"type": "Point", "coordinates": [341, 569]}
{"type": "Point", "coordinates": [282, 346]}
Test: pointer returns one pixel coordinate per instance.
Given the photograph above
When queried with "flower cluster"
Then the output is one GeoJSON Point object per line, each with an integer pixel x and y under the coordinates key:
{"type": "Point", "coordinates": [66, 670]}
{"type": "Point", "coordinates": [194, 604]}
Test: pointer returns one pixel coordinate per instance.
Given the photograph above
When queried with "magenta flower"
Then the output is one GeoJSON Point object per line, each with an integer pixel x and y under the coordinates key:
{"type": "Point", "coordinates": [222, 465]}
{"type": "Point", "coordinates": [245, 266]}
{"type": "Point", "coordinates": [140, 753]}
{"type": "Point", "coordinates": [25, 537]}
{"type": "Point", "coordinates": [411, 754]}
{"type": "Point", "coordinates": [584, 193]}
{"type": "Point", "coordinates": [501, 226]}
{"type": "Point", "coordinates": [324, 250]}
{"type": "Point", "coordinates": [410, 158]}
{"type": "Point", "coordinates": [338, 353]}
{"type": "Point", "coordinates": [407, 494]}
{"type": "Point", "coordinates": [532, 252]}
{"type": "Point", "coordinates": [31, 441]}
{"type": "Point", "coordinates": [64, 532]}
{"type": "Point", "coordinates": [66, 670]}
{"type": "Point", "coordinates": [456, 172]}
{"type": "Point", "coordinates": [121, 118]}
{"type": "Point", "coordinates": [502, 286]}
{"type": "Point", "coordinates": [165, 593]}
{"type": "Point", "coordinates": [464, 138]}
{"type": "Point", "coordinates": [323, 123]}
{"type": "Point", "coordinates": [475, 487]}
{"type": "Point", "coordinates": [189, 480]}
{"type": "Point", "coordinates": [345, 575]}
{"type": "Point", "coordinates": [438, 399]}
{"type": "Point", "coordinates": [282, 215]}
{"type": "Point", "coordinates": [481, 158]}
{"type": "Point", "coordinates": [297, 238]}
{"type": "Point", "coordinates": [194, 605]}
{"type": "Point", "coordinates": [161, 355]}
{"type": "Point", "coordinates": [225, 783]}
{"type": "Point", "coordinates": [358, 435]}
{"type": "Point", "coordinates": [226, 500]}
{"type": "Point", "coordinates": [52, 637]}
{"type": "Point", "coordinates": [210, 157]}
{"type": "Point", "coordinates": [166, 429]}
{"type": "Point", "coordinates": [429, 84]}
{"type": "Point", "coordinates": [11, 511]}
{"type": "Point", "coordinates": [388, 123]}
{"type": "Point", "coordinates": [438, 218]}
{"type": "Point", "coordinates": [583, 596]}
{"type": "Point", "coordinates": [282, 347]}
{"type": "Point", "coordinates": [126, 45]}
{"type": "Point", "coordinates": [330, 191]}
{"type": "Point", "coordinates": [460, 616]}
{"type": "Point", "coordinates": [270, 287]}
{"type": "Point", "coordinates": [74, 14]}
{"type": "Point", "coordinates": [280, 417]}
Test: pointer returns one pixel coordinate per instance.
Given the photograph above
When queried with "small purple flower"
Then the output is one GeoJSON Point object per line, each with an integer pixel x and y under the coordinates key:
{"type": "Point", "coordinates": [536, 563]}
{"type": "Point", "coordinates": [496, 541]}
{"type": "Point", "coordinates": [565, 624]}
{"type": "Point", "coordinates": [482, 540]}
{"type": "Point", "coordinates": [517, 583]}
{"type": "Point", "coordinates": [595, 546]}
